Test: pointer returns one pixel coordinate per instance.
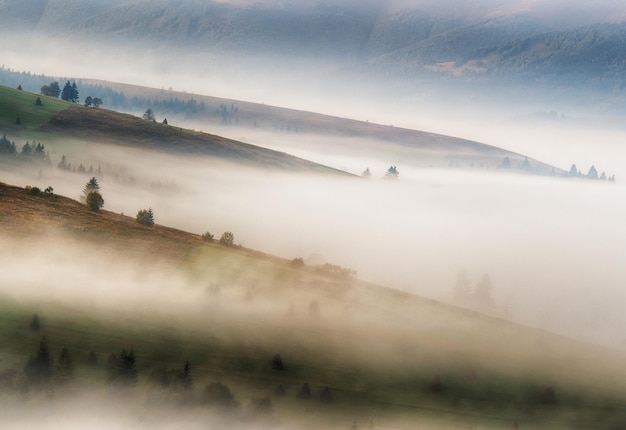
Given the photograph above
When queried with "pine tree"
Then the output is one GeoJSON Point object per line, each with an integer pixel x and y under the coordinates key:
{"type": "Point", "coordinates": [125, 369]}
{"type": "Point", "coordinates": [39, 368]}
{"type": "Point", "coordinates": [92, 185]}
{"type": "Point", "coordinates": [145, 217]}
{"type": "Point", "coordinates": [70, 92]}
{"type": "Point", "coordinates": [35, 324]}
{"type": "Point", "coordinates": [64, 367]}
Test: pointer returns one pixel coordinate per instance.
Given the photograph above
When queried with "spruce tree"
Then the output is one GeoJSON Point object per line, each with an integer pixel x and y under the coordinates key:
{"type": "Point", "coordinates": [64, 366]}
{"type": "Point", "coordinates": [125, 371]}
{"type": "Point", "coordinates": [39, 368]}
{"type": "Point", "coordinates": [91, 186]}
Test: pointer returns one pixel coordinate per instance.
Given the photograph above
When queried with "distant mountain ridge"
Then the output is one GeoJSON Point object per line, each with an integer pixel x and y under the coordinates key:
{"type": "Point", "coordinates": [495, 39]}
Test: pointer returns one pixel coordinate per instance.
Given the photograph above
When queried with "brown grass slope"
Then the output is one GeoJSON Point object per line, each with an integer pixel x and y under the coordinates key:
{"type": "Point", "coordinates": [106, 126]}
{"type": "Point", "coordinates": [408, 339]}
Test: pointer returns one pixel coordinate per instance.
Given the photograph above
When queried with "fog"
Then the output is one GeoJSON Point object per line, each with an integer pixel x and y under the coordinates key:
{"type": "Point", "coordinates": [538, 238]}
{"type": "Point", "coordinates": [552, 247]}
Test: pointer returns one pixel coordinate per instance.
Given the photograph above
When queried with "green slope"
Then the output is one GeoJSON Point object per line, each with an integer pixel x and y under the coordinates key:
{"type": "Point", "coordinates": [16, 104]}
{"type": "Point", "coordinates": [379, 351]}
{"type": "Point", "coordinates": [58, 120]}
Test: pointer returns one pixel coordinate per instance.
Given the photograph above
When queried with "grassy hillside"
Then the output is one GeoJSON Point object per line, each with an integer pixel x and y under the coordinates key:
{"type": "Point", "coordinates": [419, 148]}
{"type": "Point", "coordinates": [16, 104]}
{"type": "Point", "coordinates": [384, 355]}
{"type": "Point", "coordinates": [56, 119]}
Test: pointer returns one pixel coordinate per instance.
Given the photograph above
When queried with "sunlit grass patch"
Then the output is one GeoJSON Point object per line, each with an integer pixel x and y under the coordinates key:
{"type": "Point", "coordinates": [16, 104]}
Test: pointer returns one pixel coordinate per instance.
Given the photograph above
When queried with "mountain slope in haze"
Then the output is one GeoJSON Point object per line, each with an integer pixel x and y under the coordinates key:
{"type": "Point", "coordinates": [55, 118]}
{"type": "Point", "coordinates": [419, 148]}
{"type": "Point", "coordinates": [422, 361]}
{"type": "Point", "coordinates": [507, 41]}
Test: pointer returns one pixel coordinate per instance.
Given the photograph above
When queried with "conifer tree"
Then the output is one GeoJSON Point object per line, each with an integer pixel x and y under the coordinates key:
{"type": "Point", "coordinates": [91, 186]}
{"type": "Point", "coordinates": [145, 217]}
{"type": "Point", "coordinates": [39, 368]}
{"type": "Point", "coordinates": [70, 92]}
{"type": "Point", "coordinates": [126, 368]}
{"type": "Point", "coordinates": [64, 366]}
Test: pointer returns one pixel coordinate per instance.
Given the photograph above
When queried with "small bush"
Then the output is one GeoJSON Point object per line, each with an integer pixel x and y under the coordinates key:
{"type": "Point", "coordinates": [297, 262]}
{"type": "Point", "coordinates": [145, 217]}
{"type": "Point", "coordinates": [33, 191]}
{"type": "Point", "coordinates": [227, 239]}
{"type": "Point", "coordinates": [336, 271]}
{"type": "Point", "coordinates": [207, 237]}
{"type": "Point", "coordinates": [94, 201]}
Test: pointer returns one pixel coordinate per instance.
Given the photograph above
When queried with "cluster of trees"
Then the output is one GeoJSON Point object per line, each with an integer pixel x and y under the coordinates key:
{"type": "Point", "coordinates": [64, 164]}
{"type": "Point", "coordinates": [225, 112]}
{"type": "Point", "coordinates": [476, 295]}
{"type": "Point", "coordinates": [336, 271]}
{"type": "Point", "coordinates": [392, 173]}
{"type": "Point", "coordinates": [227, 238]}
{"type": "Point", "coordinates": [507, 164]}
{"type": "Point", "coordinates": [69, 93]}
{"type": "Point", "coordinates": [591, 174]}
{"type": "Point", "coordinates": [93, 101]}
{"type": "Point", "coordinates": [34, 151]}
{"type": "Point", "coordinates": [172, 105]}
{"type": "Point", "coordinates": [145, 217]}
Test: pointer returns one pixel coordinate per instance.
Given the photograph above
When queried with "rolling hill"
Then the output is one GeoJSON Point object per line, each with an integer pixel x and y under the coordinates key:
{"type": "Point", "coordinates": [379, 355]}
{"type": "Point", "coordinates": [56, 119]}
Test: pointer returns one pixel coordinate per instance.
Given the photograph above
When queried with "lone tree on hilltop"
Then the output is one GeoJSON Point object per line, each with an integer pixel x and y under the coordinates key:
{"type": "Point", "coordinates": [145, 217]}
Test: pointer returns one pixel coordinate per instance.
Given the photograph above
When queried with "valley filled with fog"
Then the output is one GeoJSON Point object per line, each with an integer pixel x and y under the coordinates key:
{"type": "Point", "coordinates": [552, 246]}
{"type": "Point", "coordinates": [545, 251]}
